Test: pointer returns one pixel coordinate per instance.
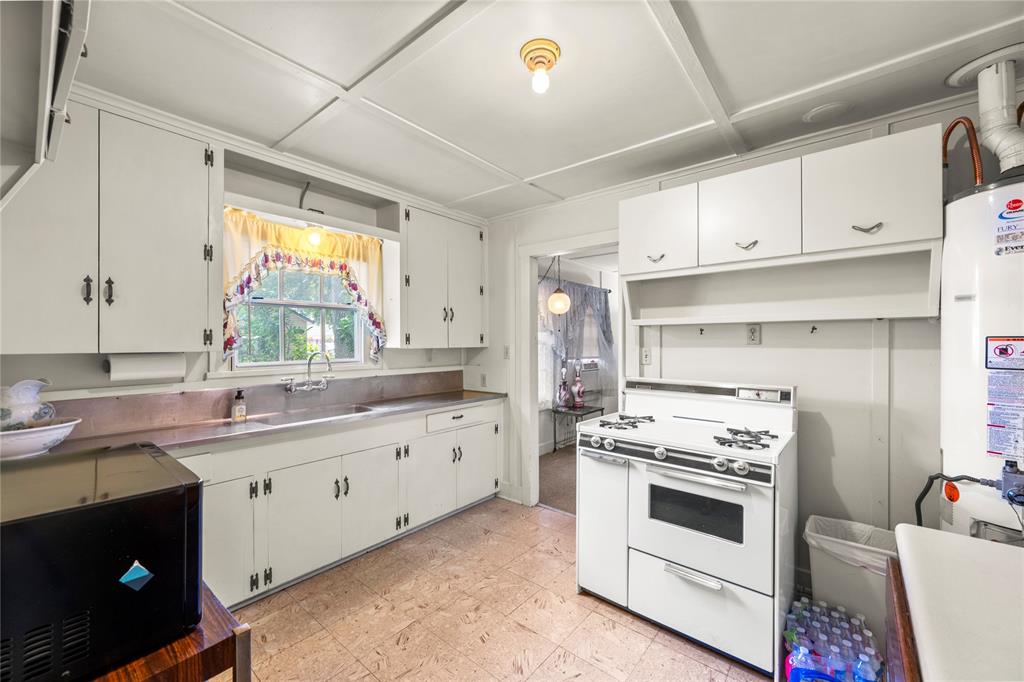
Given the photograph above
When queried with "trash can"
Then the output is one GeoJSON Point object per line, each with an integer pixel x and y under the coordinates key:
{"type": "Point", "coordinates": [848, 566]}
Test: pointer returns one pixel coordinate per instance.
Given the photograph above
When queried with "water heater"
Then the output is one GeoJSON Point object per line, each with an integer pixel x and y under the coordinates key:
{"type": "Point", "coordinates": [982, 352]}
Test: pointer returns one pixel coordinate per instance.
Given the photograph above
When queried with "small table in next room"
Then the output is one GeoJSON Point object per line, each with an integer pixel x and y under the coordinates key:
{"type": "Point", "coordinates": [577, 413]}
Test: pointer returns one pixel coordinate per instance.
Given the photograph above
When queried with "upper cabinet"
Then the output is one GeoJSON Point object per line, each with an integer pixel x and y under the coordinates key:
{"type": "Point", "coordinates": [751, 214]}
{"type": "Point", "coordinates": [444, 282]}
{"type": "Point", "coordinates": [880, 191]}
{"type": "Point", "coordinates": [105, 249]}
{"type": "Point", "coordinates": [658, 231]}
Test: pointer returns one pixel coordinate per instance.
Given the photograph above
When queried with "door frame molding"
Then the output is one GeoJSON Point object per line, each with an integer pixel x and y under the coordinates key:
{"type": "Point", "coordinates": [523, 388]}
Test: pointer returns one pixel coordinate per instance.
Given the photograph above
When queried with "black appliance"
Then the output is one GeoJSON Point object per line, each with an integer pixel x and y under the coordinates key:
{"type": "Point", "coordinates": [99, 560]}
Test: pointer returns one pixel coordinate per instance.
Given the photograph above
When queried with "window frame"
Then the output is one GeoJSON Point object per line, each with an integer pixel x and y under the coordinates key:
{"type": "Point", "coordinates": [361, 340]}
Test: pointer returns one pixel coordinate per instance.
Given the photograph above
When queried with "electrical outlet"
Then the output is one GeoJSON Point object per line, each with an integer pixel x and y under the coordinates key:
{"type": "Point", "coordinates": [753, 335]}
{"type": "Point", "coordinates": [645, 356]}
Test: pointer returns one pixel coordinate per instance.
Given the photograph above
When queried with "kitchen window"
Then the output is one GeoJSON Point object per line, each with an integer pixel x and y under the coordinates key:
{"type": "Point", "coordinates": [291, 314]}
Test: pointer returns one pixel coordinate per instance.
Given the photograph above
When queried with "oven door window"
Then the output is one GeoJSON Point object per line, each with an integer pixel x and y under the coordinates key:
{"type": "Point", "coordinates": [706, 515]}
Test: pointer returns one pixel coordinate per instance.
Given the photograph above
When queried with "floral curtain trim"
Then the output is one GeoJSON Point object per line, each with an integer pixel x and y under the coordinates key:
{"type": "Point", "coordinates": [273, 259]}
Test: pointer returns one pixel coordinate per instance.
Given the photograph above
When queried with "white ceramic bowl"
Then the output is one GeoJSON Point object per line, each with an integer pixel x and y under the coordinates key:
{"type": "Point", "coordinates": [37, 440]}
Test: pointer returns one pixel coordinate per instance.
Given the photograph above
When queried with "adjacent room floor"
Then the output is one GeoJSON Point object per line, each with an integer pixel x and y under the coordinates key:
{"type": "Point", "coordinates": [487, 594]}
{"type": "Point", "coordinates": [558, 479]}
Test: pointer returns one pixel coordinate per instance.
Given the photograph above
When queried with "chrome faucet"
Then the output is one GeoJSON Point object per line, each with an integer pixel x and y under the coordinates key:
{"type": "Point", "coordinates": [308, 385]}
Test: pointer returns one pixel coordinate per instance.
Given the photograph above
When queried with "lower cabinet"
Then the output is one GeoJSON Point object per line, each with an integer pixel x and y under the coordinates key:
{"type": "Point", "coordinates": [369, 510]}
{"type": "Point", "coordinates": [229, 565]}
{"type": "Point", "coordinates": [429, 477]}
{"type": "Point", "coordinates": [477, 463]}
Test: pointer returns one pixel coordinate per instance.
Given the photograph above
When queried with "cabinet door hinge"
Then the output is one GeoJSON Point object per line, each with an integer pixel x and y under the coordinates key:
{"type": "Point", "coordinates": [407, 214]}
{"type": "Point", "coordinates": [407, 280]}
{"type": "Point", "coordinates": [268, 575]}
{"type": "Point", "coordinates": [481, 338]}
{"type": "Point", "coordinates": [408, 339]}
{"type": "Point", "coordinates": [207, 337]}
{"type": "Point", "coordinates": [268, 486]}
{"type": "Point", "coordinates": [405, 451]}
{"type": "Point", "coordinates": [208, 252]}
{"type": "Point", "coordinates": [254, 489]}
{"type": "Point", "coordinates": [405, 519]}
{"type": "Point", "coordinates": [481, 235]}
{"type": "Point", "coordinates": [495, 484]}
{"type": "Point", "coordinates": [254, 582]}
{"type": "Point", "coordinates": [495, 429]}
{"type": "Point", "coordinates": [398, 453]}
{"type": "Point", "coordinates": [398, 523]}
{"type": "Point", "coordinates": [481, 286]}
{"type": "Point", "coordinates": [208, 157]}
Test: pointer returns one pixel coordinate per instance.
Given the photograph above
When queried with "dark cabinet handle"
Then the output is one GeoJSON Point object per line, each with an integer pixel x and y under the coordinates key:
{"type": "Point", "coordinates": [445, 311]}
{"type": "Point", "coordinates": [868, 230]}
{"type": "Point", "coordinates": [88, 290]}
{"type": "Point", "coordinates": [346, 487]}
{"type": "Point", "coordinates": [458, 416]}
{"type": "Point", "coordinates": [337, 488]}
{"type": "Point", "coordinates": [110, 291]}
{"type": "Point", "coordinates": [455, 456]}
{"type": "Point", "coordinates": [451, 314]}
{"type": "Point", "coordinates": [460, 453]}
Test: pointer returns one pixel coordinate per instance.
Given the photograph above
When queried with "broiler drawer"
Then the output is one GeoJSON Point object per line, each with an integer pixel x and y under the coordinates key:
{"type": "Point", "coordinates": [728, 617]}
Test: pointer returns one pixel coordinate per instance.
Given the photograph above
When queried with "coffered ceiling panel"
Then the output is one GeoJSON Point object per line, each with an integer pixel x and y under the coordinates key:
{"type": "Point", "coordinates": [340, 40]}
{"type": "Point", "coordinates": [882, 94]}
{"type": "Point", "coordinates": [617, 84]}
{"type": "Point", "coordinates": [759, 51]}
{"type": "Point", "coordinates": [654, 159]}
{"type": "Point", "coordinates": [155, 54]}
{"type": "Point", "coordinates": [505, 200]}
{"type": "Point", "coordinates": [368, 145]}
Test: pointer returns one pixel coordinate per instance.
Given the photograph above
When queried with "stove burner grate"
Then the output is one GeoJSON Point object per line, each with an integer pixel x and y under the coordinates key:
{"type": "Point", "coordinates": [741, 443]}
{"type": "Point", "coordinates": [624, 422]}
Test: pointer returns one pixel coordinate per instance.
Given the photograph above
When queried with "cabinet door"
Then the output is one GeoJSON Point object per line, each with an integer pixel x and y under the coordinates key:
{"type": "Point", "coordinates": [304, 518]}
{"type": "Point", "coordinates": [601, 524]}
{"type": "Point", "coordinates": [658, 231]}
{"type": "Point", "coordinates": [880, 191]}
{"type": "Point", "coordinates": [428, 478]}
{"type": "Point", "coordinates": [751, 214]}
{"type": "Point", "coordinates": [426, 297]}
{"type": "Point", "coordinates": [48, 248]}
{"type": "Point", "coordinates": [228, 535]}
{"type": "Point", "coordinates": [465, 279]}
{"type": "Point", "coordinates": [153, 226]}
{"type": "Point", "coordinates": [477, 455]}
{"type": "Point", "coordinates": [369, 498]}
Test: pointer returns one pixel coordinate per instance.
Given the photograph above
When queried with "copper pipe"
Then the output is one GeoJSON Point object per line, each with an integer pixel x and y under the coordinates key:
{"type": "Point", "coordinates": [972, 141]}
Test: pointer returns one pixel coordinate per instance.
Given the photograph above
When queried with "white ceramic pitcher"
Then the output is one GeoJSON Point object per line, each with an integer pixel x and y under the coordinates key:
{"type": "Point", "coordinates": [21, 408]}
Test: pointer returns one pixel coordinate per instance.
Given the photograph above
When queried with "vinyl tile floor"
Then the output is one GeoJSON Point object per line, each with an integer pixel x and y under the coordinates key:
{"type": "Point", "coordinates": [487, 594]}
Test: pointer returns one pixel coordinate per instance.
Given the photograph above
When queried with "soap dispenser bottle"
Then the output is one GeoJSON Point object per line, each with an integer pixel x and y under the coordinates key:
{"type": "Point", "coordinates": [238, 410]}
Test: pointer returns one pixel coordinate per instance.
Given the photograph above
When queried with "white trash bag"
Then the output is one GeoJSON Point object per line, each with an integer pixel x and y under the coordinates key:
{"type": "Point", "coordinates": [857, 544]}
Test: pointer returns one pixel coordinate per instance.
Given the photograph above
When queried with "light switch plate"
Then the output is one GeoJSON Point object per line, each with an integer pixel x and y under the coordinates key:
{"type": "Point", "coordinates": [645, 356]}
{"type": "Point", "coordinates": [753, 335]}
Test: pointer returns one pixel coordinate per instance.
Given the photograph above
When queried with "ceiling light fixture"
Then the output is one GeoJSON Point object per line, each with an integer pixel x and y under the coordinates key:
{"type": "Point", "coordinates": [540, 56]}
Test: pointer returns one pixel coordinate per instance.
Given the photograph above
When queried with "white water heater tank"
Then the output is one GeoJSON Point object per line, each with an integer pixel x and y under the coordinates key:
{"type": "Point", "coordinates": [982, 351]}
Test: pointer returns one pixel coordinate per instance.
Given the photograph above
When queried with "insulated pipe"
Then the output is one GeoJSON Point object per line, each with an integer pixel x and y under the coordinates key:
{"type": "Point", "coordinates": [998, 118]}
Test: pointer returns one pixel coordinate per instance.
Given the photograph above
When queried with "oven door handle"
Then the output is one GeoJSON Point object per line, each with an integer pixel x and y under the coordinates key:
{"type": "Point", "coordinates": [704, 480]}
{"type": "Point", "coordinates": [602, 457]}
{"type": "Point", "coordinates": [693, 577]}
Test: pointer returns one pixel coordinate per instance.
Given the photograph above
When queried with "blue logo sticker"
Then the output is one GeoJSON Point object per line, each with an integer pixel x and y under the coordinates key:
{"type": "Point", "coordinates": [136, 577]}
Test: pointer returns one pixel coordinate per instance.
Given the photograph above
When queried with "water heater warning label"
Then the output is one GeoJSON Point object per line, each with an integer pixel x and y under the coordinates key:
{"type": "Point", "coordinates": [1004, 352]}
{"type": "Point", "coordinates": [1004, 358]}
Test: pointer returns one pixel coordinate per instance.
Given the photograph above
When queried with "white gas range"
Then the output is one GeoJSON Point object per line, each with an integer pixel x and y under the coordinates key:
{"type": "Point", "coordinates": [686, 511]}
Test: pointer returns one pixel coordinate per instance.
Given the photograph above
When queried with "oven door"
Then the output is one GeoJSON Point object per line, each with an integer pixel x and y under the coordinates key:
{"type": "Point", "coordinates": [718, 526]}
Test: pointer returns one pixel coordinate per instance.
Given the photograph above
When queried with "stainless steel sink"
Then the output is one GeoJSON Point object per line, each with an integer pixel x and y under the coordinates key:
{"type": "Point", "coordinates": [318, 415]}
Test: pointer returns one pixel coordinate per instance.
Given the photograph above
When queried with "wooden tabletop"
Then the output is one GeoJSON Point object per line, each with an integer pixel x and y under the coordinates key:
{"type": "Point", "coordinates": [203, 653]}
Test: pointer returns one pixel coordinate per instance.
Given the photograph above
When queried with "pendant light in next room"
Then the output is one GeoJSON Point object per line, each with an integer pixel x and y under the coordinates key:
{"type": "Point", "coordinates": [559, 302]}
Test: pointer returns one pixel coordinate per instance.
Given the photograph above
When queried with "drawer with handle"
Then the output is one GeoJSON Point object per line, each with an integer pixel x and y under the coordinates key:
{"type": "Point", "coordinates": [453, 419]}
{"type": "Point", "coordinates": [725, 616]}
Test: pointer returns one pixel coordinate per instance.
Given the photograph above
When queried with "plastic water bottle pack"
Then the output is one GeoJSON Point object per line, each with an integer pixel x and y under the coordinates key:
{"type": "Point", "coordinates": [826, 643]}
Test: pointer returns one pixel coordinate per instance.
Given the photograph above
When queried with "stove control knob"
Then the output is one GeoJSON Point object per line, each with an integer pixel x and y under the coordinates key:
{"type": "Point", "coordinates": [595, 441]}
{"type": "Point", "coordinates": [609, 444]}
{"type": "Point", "coordinates": [741, 468]}
{"type": "Point", "coordinates": [720, 463]}
{"type": "Point", "coordinates": [660, 452]}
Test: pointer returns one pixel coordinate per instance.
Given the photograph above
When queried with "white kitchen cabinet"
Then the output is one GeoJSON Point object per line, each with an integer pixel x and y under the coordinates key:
{"type": "Point", "coordinates": [154, 227]}
{"type": "Point", "coordinates": [879, 191]}
{"type": "Point", "coordinates": [428, 478]}
{"type": "Point", "coordinates": [477, 459]}
{"type": "Point", "coordinates": [658, 231]}
{"type": "Point", "coordinates": [229, 536]}
{"type": "Point", "coordinates": [601, 524]}
{"type": "Point", "coordinates": [49, 291]}
{"type": "Point", "coordinates": [303, 518]}
{"type": "Point", "coordinates": [750, 214]}
{"type": "Point", "coordinates": [444, 265]}
{"type": "Point", "coordinates": [370, 509]}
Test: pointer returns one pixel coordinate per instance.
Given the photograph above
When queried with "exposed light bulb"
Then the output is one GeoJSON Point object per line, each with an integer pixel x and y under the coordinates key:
{"type": "Point", "coordinates": [558, 302]}
{"type": "Point", "coordinates": [540, 80]}
{"type": "Point", "coordinates": [314, 238]}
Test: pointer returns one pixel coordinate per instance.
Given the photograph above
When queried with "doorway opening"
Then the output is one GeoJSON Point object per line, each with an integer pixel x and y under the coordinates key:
{"type": "Point", "coordinates": [577, 368]}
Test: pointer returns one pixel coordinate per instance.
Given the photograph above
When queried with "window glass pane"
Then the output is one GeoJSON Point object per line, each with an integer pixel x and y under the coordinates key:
{"type": "Point", "coordinates": [335, 291]}
{"type": "Point", "coordinates": [242, 317]}
{"type": "Point", "coordinates": [298, 286]}
{"type": "Point", "coordinates": [342, 333]}
{"type": "Point", "coordinates": [301, 332]}
{"type": "Point", "coordinates": [264, 342]}
{"type": "Point", "coordinates": [270, 287]}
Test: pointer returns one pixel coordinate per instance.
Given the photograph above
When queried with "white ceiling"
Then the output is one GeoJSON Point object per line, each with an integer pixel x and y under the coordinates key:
{"type": "Point", "coordinates": [430, 96]}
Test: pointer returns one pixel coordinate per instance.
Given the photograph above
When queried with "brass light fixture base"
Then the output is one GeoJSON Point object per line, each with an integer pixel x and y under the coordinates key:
{"type": "Point", "coordinates": [540, 52]}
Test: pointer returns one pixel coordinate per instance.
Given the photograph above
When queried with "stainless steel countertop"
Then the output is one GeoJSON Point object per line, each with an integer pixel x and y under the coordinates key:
{"type": "Point", "coordinates": [191, 435]}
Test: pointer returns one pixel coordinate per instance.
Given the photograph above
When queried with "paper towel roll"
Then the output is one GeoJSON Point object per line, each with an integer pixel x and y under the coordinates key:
{"type": "Point", "coordinates": [146, 366]}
